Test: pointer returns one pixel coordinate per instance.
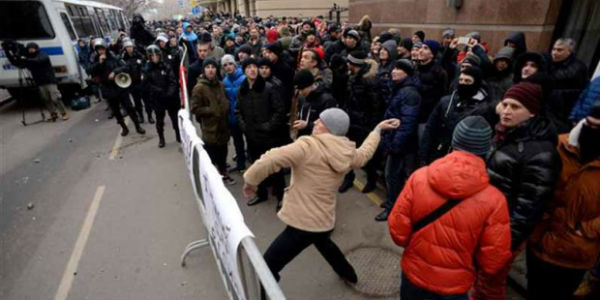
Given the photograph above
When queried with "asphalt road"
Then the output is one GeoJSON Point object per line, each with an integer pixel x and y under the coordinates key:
{"type": "Point", "coordinates": [134, 214]}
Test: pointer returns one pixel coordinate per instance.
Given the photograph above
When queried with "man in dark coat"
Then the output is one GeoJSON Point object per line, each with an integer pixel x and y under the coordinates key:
{"type": "Point", "coordinates": [313, 99]}
{"type": "Point", "coordinates": [261, 115]}
{"type": "Point", "coordinates": [350, 42]}
{"type": "Point", "coordinates": [105, 67]}
{"type": "Point", "coordinates": [569, 77]}
{"type": "Point", "coordinates": [195, 69]}
{"type": "Point", "coordinates": [469, 99]}
{"type": "Point", "coordinates": [365, 108]}
{"type": "Point", "coordinates": [41, 70]}
{"type": "Point", "coordinates": [160, 87]}
{"type": "Point", "coordinates": [281, 69]}
{"type": "Point", "coordinates": [434, 81]}
{"type": "Point", "coordinates": [401, 143]}
{"type": "Point", "coordinates": [138, 32]}
{"type": "Point", "coordinates": [135, 61]}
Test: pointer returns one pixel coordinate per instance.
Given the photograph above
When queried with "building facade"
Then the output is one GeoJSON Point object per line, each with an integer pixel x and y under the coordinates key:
{"type": "Point", "coordinates": [542, 21]}
{"type": "Point", "coordinates": [280, 8]}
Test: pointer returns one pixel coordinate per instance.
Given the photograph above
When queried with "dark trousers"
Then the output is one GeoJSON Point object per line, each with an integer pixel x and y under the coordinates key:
{"type": "Point", "coordinates": [218, 156]}
{"type": "Point", "coordinates": [123, 100]}
{"type": "Point", "coordinates": [139, 101]}
{"type": "Point", "coordinates": [409, 291]}
{"type": "Point", "coordinates": [276, 181]}
{"type": "Point", "coordinates": [370, 169]}
{"type": "Point", "coordinates": [240, 147]}
{"type": "Point", "coordinates": [161, 111]}
{"type": "Point", "coordinates": [292, 241]}
{"type": "Point", "coordinates": [397, 170]}
{"type": "Point", "coordinates": [548, 281]}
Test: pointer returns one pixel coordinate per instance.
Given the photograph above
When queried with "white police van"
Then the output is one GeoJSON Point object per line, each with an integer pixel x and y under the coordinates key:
{"type": "Point", "coordinates": [55, 25]}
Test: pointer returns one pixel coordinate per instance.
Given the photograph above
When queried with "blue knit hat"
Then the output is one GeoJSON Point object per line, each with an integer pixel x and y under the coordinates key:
{"type": "Point", "coordinates": [433, 45]}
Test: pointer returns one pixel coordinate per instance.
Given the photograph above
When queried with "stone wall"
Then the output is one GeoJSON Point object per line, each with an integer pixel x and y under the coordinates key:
{"type": "Point", "coordinates": [494, 19]}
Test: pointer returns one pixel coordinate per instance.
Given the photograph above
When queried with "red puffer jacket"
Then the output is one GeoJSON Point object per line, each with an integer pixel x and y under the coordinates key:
{"type": "Point", "coordinates": [440, 257]}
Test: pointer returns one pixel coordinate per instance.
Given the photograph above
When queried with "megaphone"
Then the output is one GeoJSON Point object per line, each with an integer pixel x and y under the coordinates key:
{"type": "Point", "coordinates": [123, 80]}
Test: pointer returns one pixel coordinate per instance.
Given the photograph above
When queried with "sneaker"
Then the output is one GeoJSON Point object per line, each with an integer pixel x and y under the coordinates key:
{"type": "Point", "coordinates": [65, 116]}
{"type": "Point", "coordinates": [382, 216]}
{"type": "Point", "coordinates": [228, 180]}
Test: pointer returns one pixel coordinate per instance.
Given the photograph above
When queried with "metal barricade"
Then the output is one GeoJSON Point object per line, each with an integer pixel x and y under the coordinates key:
{"type": "Point", "coordinates": [257, 281]}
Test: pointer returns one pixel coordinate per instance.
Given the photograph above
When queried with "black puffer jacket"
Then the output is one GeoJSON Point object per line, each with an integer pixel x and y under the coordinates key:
{"type": "Point", "coordinates": [434, 84]}
{"type": "Point", "coordinates": [160, 85]}
{"type": "Point", "coordinates": [569, 78]}
{"type": "Point", "coordinates": [447, 114]}
{"type": "Point", "coordinates": [312, 106]}
{"type": "Point", "coordinates": [525, 167]}
{"type": "Point", "coordinates": [261, 113]}
{"type": "Point", "coordinates": [364, 105]}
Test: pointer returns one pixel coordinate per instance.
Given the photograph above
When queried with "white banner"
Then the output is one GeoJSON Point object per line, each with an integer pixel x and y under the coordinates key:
{"type": "Point", "coordinates": [222, 216]}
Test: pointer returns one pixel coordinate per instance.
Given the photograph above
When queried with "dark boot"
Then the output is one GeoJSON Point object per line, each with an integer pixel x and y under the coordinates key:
{"type": "Point", "coordinates": [124, 129]}
{"type": "Point", "coordinates": [150, 119]}
{"type": "Point", "coordinates": [177, 137]}
{"type": "Point", "coordinates": [348, 182]}
{"type": "Point", "coordinates": [161, 141]}
{"type": "Point", "coordinates": [382, 216]}
{"type": "Point", "coordinates": [139, 129]}
{"type": "Point", "coordinates": [369, 187]}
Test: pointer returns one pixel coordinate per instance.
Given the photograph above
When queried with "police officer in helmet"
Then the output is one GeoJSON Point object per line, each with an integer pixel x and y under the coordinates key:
{"type": "Point", "coordinates": [160, 86]}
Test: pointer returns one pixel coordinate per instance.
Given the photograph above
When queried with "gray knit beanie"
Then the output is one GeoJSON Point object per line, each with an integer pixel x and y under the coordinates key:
{"type": "Point", "coordinates": [474, 135]}
{"type": "Point", "coordinates": [336, 121]}
{"type": "Point", "coordinates": [228, 58]}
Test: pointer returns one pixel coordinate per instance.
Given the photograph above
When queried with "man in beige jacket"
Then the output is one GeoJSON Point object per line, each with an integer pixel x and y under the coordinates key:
{"type": "Point", "coordinates": [319, 163]}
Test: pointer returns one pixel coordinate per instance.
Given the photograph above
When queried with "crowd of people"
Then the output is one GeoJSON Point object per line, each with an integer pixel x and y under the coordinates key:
{"type": "Point", "coordinates": [484, 155]}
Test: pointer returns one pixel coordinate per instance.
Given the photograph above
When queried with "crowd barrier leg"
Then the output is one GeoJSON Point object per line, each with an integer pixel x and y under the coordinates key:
{"type": "Point", "coordinates": [191, 247]}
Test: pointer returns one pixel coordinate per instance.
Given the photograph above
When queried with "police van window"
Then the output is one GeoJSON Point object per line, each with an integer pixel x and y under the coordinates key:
{"type": "Point", "coordinates": [65, 20]}
{"type": "Point", "coordinates": [102, 20]}
{"type": "Point", "coordinates": [31, 21]}
{"type": "Point", "coordinates": [81, 20]}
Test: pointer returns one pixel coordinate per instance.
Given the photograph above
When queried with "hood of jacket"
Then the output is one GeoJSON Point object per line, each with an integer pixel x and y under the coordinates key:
{"type": "Point", "coordinates": [369, 70]}
{"type": "Point", "coordinates": [391, 47]}
{"type": "Point", "coordinates": [458, 175]}
{"type": "Point", "coordinates": [338, 151]}
{"type": "Point", "coordinates": [518, 38]}
{"type": "Point", "coordinates": [190, 36]}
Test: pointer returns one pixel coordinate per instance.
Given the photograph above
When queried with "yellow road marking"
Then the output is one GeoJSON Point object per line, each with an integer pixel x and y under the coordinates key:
{"type": "Point", "coordinates": [69, 275]}
{"type": "Point", "coordinates": [372, 196]}
{"type": "Point", "coordinates": [115, 149]}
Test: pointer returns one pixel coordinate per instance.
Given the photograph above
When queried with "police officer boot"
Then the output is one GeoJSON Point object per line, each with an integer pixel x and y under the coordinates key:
{"type": "Point", "coordinates": [124, 129]}
{"type": "Point", "coordinates": [139, 129]}
{"type": "Point", "coordinates": [161, 140]}
{"type": "Point", "coordinates": [150, 119]}
{"type": "Point", "coordinates": [141, 116]}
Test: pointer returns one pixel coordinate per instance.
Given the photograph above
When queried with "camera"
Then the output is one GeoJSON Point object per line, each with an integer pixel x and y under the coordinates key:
{"type": "Point", "coordinates": [14, 51]}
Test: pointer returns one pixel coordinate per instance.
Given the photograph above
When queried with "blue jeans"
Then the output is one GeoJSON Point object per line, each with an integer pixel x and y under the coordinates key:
{"type": "Point", "coordinates": [397, 170]}
{"type": "Point", "coordinates": [409, 291]}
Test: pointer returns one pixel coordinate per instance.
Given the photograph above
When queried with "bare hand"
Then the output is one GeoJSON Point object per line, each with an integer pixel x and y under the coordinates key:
{"type": "Point", "coordinates": [102, 58]}
{"type": "Point", "coordinates": [389, 124]}
{"type": "Point", "coordinates": [111, 76]}
{"type": "Point", "coordinates": [454, 43]}
{"type": "Point", "coordinates": [299, 125]}
{"type": "Point", "coordinates": [579, 233]}
{"type": "Point", "coordinates": [472, 42]}
{"type": "Point", "coordinates": [249, 191]}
